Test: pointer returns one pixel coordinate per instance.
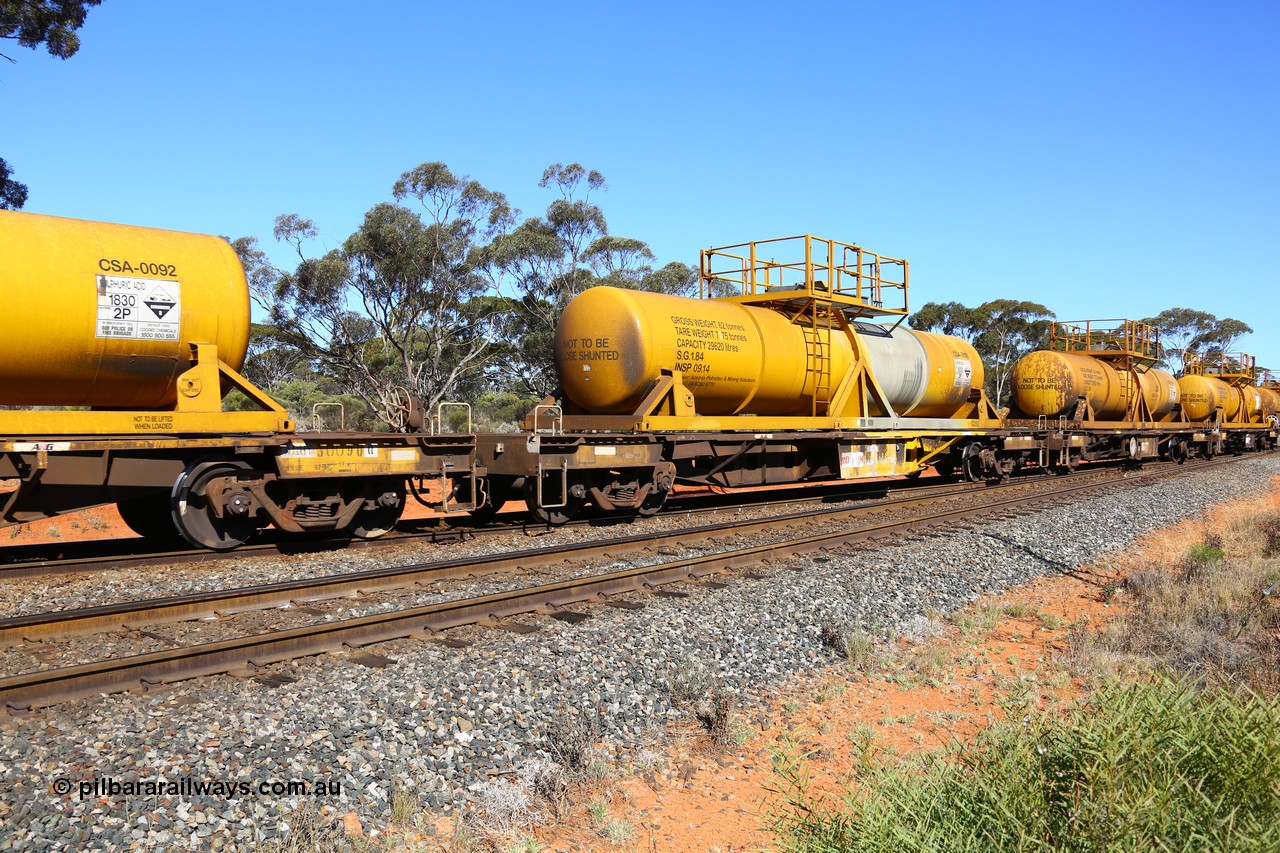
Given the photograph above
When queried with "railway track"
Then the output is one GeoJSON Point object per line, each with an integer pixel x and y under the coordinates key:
{"type": "Point", "coordinates": [246, 655]}
{"type": "Point", "coordinates": [19, 562]}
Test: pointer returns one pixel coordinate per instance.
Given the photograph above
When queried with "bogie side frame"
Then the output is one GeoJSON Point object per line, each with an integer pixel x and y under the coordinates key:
{"type": "Point", "coordinates": [216, 477]}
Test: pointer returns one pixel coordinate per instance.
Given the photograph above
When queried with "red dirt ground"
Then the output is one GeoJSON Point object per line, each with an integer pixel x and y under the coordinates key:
{"type": "Point", "coordinates": [711, 800]}
{"type": "Point", "coordinates": [706, 799]}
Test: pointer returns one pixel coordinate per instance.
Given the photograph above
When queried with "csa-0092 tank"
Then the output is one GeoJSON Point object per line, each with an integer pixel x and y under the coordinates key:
{"type": "Point", "coordinates": [103, 315]}
{"type": "Point", "coordinates": [737, 359]}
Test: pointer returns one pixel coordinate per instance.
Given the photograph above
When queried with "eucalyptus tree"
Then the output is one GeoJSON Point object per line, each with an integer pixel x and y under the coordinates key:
{"type": "Point", "coordinates": [546, 261]}
{"type": "Point", "coordinates": [52, 23]}
{"type": "Point", "coordinates": [1008, 330]}
{"type": "Point", "coordinates": [13, 194]}
{"type": "Point", "coordinates": [1186, 329]}
{"type": "Point", "coordinates": [947, 318]}
{"type": "Point", "coordinates": [399, 307]}
{"type": "Point", "coordinates": [1002, 331]}
{"type": "Point", "coordinates": [627, 262]}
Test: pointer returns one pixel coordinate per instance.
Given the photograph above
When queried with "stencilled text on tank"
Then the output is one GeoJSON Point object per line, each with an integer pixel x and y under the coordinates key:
{"type": "Point", "coordinates": [143, 309]}
{"type": "Point", "coordinates": [698, 336]}
{"type": "Point", "coordinates": [1093, 377]}
{"type": "Point", "coordinates": [588, 350]}
{"type": "Point", "coordinates": [1027, 382]}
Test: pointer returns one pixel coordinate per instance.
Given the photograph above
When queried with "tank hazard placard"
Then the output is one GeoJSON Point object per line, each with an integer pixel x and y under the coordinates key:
{"type": "Point", "coordinates": [145, 309]}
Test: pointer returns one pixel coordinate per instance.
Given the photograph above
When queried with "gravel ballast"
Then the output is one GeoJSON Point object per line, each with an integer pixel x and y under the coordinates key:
{"type": "Point", "coordinates": [439, 721]}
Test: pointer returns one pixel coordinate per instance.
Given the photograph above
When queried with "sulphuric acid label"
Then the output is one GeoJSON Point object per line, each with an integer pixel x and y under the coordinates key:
{"type": "Point", "coordinates": [144, 309]}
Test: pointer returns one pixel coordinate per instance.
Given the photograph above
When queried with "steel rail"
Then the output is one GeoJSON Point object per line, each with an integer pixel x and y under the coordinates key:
{"type": "Point", "coordinates": [86, 555]}
{"type": "Point", "coordinates": [248, 654]}
{"type": "Point", "coordinates": [203, 605]}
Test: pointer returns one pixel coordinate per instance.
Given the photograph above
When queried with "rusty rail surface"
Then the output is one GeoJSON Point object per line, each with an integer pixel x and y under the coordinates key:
{"type": "Point", "coordinates": [203, 605]}
{"type": "Point", "coordinates": [248, 654]}
{"type": "Point", "coordinates": [25, 561]}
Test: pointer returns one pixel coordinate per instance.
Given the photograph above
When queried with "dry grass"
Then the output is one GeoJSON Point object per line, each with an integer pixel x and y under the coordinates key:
{"type": "Point", "coordinates": [1176, 748]}
{"type": "Point", "coordinates": [1209, 612]}
{"type": "Point", "coordinates": [717, 715]}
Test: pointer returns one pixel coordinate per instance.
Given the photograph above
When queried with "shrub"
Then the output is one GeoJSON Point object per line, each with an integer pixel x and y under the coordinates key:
{"type": "Point", "coordinates": [851, 643]}
{"type": "Point", "coordinates": [1162, 765]}
{"type": "Point", "coordinates": [717, 716]}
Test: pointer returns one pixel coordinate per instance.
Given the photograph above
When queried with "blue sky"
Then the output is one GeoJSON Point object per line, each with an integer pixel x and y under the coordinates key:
{"type": "Point", "coordinates": [1105, 159]}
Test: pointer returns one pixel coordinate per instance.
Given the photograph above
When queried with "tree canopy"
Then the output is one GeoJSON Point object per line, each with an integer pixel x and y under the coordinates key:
{"type": "Point", "coordinates": [32, 23]}
{"type": "Point", "coordinates": [1002, 331]}
{"type": "Point", "coordinates": [395, 311]}
{"type": "Point", "coordinates": [13, 195]}
{"type": "Point", "coordinates": [441, 293]}
{"type": "Point", "coordinates": [546, 261]}
{"type": "Point", "coordinates": [1185, 330]}
{"type": "Point", "coordinates": [52, 23]}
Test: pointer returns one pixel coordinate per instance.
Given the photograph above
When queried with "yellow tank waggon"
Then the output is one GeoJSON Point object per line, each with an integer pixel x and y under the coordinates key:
{"type": "Point", "coordinates": [117, 346]}
{"type": "Point", "coordinates": [794, 365]}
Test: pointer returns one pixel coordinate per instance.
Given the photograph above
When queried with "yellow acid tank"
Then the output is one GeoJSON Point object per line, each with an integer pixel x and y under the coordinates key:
{"type": "Point", "coordinates": [1202, 394]}
{"type": "Point", "coordinates": [1047, 383]}
{"type": "Point", "coordinates": [611, 344]}
{"type": "Point", "coordinates": [1270, 403]}
{"type": "Point", "coordinates": [1249, 408]}
{"type": "Point", "coordinates": [103, 315]}
{"type": "Point", "coordinates": [1160, 390]}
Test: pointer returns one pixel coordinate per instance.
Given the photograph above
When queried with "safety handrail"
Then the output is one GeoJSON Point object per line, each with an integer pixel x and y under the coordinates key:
{"type": "Point", "coordinates": [811, 264]}
{"type": "Point", "coordinates": [437, 420]}
{"type": "Point", "coordinates": [1107, 338]}
{"type": "Point", "coordinates": [1236, 366]}
{"type": "Point", "coordinates": [316, 423]}
{"type": "Point", "coordinates": [557, 418]}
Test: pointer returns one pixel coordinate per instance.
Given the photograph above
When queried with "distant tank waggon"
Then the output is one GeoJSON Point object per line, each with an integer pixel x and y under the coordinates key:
{"type": "Point", "coordinates": [119, 344]}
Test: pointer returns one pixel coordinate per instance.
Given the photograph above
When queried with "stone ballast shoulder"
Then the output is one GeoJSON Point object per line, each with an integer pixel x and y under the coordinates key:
{"type": "Point", "coordinates": [436, 721]}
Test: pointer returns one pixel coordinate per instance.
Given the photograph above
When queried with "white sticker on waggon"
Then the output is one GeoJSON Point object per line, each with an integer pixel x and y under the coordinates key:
{"type": "Point", "coordinates": [143, 309]}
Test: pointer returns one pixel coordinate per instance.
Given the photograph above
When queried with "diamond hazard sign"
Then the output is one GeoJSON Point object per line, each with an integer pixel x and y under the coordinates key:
{"type": "Point", "coordinates": [159, 303]}
{"type": "Point", "coordinates": [138, 308]}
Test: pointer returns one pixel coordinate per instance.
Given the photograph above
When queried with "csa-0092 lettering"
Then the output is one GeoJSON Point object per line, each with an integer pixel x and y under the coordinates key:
{"type": "Point", "coordinates": [143, 267]}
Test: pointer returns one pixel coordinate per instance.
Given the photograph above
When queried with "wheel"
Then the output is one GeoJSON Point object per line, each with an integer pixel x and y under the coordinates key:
{"type": "Point", "coordinates": [383, 505]}
{"type": "Point", "coordinates": [195, 500]}
{"type": "Point", "coordinates": [150, 517]}
{"type": "Point", "coordinates": [554, 516]}
{"type": "Point", "coordinates": [971, 464]}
